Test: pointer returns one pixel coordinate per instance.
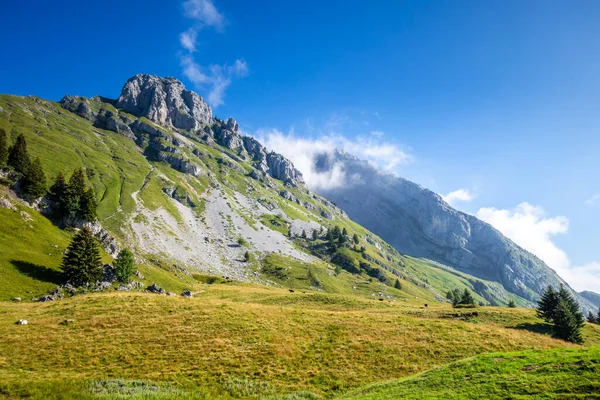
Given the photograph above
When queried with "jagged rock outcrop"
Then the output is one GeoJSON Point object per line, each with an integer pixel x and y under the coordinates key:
{"type": "Point", "coordinates": [164, 101]}
{"type": "Point", "coordinates": [281, 168]}
{"type": "Point", "coordinates": [418, 222]}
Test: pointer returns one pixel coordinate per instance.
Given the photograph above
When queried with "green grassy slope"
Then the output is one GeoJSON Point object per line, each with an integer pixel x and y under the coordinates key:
{"type": "Point", "coordinates": [547, 374]}
{"type": "Point", "coordinates": [268, 338]}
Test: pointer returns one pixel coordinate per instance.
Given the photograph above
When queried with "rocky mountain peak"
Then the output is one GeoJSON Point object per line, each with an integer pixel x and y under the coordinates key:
{"type": "Point", "coordinates": [164, 101]}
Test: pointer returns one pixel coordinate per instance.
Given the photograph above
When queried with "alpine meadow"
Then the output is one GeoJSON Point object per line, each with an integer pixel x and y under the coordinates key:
{"type": "Point", "coordinates": [152, 246]}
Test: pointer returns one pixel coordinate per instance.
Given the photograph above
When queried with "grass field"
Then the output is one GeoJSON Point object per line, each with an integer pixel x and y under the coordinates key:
{"type": "Point", "coordinates": [234, 340]}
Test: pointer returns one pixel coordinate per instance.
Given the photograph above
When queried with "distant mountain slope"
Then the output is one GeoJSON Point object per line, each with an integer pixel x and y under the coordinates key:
{"type": "Point", "coordinates": [419, 222]}
{"type": "Point", "coordinates": [592, 297]}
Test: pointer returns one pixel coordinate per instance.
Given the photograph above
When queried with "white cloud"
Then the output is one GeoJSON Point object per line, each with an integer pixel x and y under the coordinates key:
{"type": "Point", "coordinates": [188, 39]}
{"type": "Point", "coordinates": [593, 200]}
{"type": "Point", "coordinates": [214, 78]}
{"type": "Point", "coordinates": [458, 195]}
{"type": "Point", "coordinates": [530, 228]}
{"type": "Point", "coordinates": [204, 13]}
{"type": "Point", "coordinates": [304, 152]}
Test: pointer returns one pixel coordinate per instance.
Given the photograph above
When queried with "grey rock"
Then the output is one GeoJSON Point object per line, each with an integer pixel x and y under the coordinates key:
{"type": "Point", "coordinates": [164, 101]}
{"type": "Point", "coordinates": [287, 195]}
{"type": "Point", "coordinates": [281, 168]}
{"type": "Point", "coordinates": [17, 299]}
{"type": "Point", "coordinates": [68, 322]}
{"type": "Point", "coordinates": [138, 274]}
{"type": "Point", "coordinates": [187, 293]}
{"type": "Point", "coordinates": [109, 274]}
{"type": "Point", "coordinates": [154, 288]}
{"type": "Point", "coordinates": [326, 214]}
{"type": "Point", "coordinates": [46, 298]}
{"type": "Point", "coordinates": [21, 322]}
{"type": "Point", "coordinates": [171, 294]}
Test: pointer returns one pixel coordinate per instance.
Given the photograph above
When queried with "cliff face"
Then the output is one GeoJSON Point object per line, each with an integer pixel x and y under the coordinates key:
{"type": "Point", "coordinates": [418, 222]}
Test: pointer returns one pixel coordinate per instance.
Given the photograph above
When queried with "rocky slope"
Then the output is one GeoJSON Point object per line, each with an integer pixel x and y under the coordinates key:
{"type": "Point", "coordinates": [419, 222]}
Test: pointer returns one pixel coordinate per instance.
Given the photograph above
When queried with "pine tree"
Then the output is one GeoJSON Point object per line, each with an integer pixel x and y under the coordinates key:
{"type": "Point", "coordinates": [82, 263]}
{"type": "Point", "coordinates": [246, 256]}
{"type": "Point", "coordinates": [355, 239]}
{"type": "Point", "coordinates": [511, 304]}
{"type": "Point", "coordinates": [303, 235]}
{"type": "Point", "coordinates": [398, 285]}
{"type": "Point", "coordinates": [547, 304]}
{"type": "Point", "coordinates": [124, 266]}
{"type": "Point", "coordinates": [342, 238]}
{"type": "Point", "coordinates": [3, 148]}
{"type": "Point", "coordinates": [74, 192]}
{"type": "Point", "coordinates": [565, 295]}
{"type": "Point", "coordinates": [315, 235]}
{"type": "Point", "coordinates": [467, 298]}
{"type": "Point", "coordinates": [34, 182]}
{"type": "Point", "coordinates": [58, 192]}
{"type": "Point", "coordinates": [18, 158]}
{"type": "Point", "coordinates": [88, 205]}
{"type": "Point", "coordinates": [591, 318]}
{"type": "Point", "coordinates": [336, 232]}
{"type": "Point", "coordinates": [344, 232]}
{"type": "Point", "coordinates": [566, 326]}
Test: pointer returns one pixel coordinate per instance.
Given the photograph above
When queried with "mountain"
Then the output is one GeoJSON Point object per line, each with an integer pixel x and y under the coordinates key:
{"type": "Point", "coordinates": [419, 222]}
{"type": "Point", "coordinates": [191, 195]}
{"type": "Point", "coordinates": [592, 297]}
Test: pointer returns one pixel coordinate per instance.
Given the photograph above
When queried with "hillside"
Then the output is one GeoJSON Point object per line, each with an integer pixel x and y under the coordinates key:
{"type": "Point", "coordinates": [237, 340]}
{"type": "Point", "coordinates": [191, 194]}
{"type": "Point", "coordinates": [417, 221]}
{"type": "Point", "coordinates": [547, 374]}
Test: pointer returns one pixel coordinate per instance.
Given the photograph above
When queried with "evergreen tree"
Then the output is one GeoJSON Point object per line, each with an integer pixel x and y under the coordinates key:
{"type": "Point", "coordinates": [467, 298]}
{"type": "Point", "coordinates": [321, 230]}
{"type": "Point", "coordinates": [566, 326]}
{"type": "Point", "coordinates": [34, 182]}
{"type": "Point", "coordinates": [547, 304]}
{"type": "Point", "coordinates": [598, 317]}
{"type": "Point", "coordinates": [246, 256]}
{"type": "Point", "coordinates": [88, 205]}
{"type": "Point", "coordinates": [344, 232]}
{"type": "Point", "coordinates": [355, 239]}
{"type": "Point", "coordinates": [329, 235]}
{"type": "Point", "coordinates": [18, 158]}
{"type": "Point", "coordinates": [315, 235]}
{"type": "Point", "coordinates": [511, 304]}
{"type": "Point", "coordinates": [342, 238]}
{"type": "Point", "coordinates": [82, 263]}
{"type": "Point", "coordinates": [591, 318]}
{"type": "Point", "coordinates": [74, 193]}
{"type": "Point", "coordinates": [336, 232]}
{"type": "Point", "coordinates": [303, 235]}
{"type": "Point", "coordinates": [124, 266]}
{"type": "Point", "coordinates": [398, 285]}
{"type": "Point", "coordinates": [3, 148]}
{"type": "Point", "coordinates": [58, 192]}
{"type": "Point", "coordinates": [565, 295]}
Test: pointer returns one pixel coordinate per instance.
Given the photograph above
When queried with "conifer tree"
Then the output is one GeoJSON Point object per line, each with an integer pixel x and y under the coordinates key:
{"type": "Point", "coordinates": [355, 239]}
{"type": "Point", "coordinates": [336, 232]}
{"type": "Point", "coordinates": [467, 298]}
{"type": "Point", "coordinates": [342, 238]}
{"type": "Point", "coordinates": [547, 304]}
{"type": "Point", "coordinates": [58, 192]}
{"type": "Point", "coordinates": [3, 148]}
{"type": "Point", "coordinates": [82, 263]}
{"type": "Point", "coordinates": [74, 193]}
{"type": "Point", "coordinates": [315, 235]}
{"type": "Point", "coordinates": [511, 304]}
{"type": "Point", "coordinates": [124, 266]}
{"type": "Point", "coordinates": [18, 158]}
{"type": "Point", "coordinates": [566, 326]}
{"type": "Point", "coordinates": [34, 182]}
{"type": "Point", "coordinates": [565, 295]}
{"type": "Point", "coordinates": [88, 205]}
{"type": "Point", "coordinates": [344, 232]}
{"type": "Point", "coordinates": [398, 285]}
{"type": "Point", "coordinates": [303, 235]}
{"type": "Point", "coordinates": [598, 317]}
{"type": "Point", "coordinates": [246, 256]}
{"type": "Point", "coordinates": [591, 318]}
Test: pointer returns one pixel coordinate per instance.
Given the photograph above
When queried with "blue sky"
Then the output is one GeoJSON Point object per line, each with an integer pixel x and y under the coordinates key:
{"type": "Point", "coordinates": [497, 101]}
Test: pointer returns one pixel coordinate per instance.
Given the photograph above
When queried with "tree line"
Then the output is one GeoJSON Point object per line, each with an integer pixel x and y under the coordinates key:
{"type": "Point", "coordinates": [71, 199]}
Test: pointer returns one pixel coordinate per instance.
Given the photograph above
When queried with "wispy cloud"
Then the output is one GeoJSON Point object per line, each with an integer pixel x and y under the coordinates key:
{"type": "Point", "coordinates": [593, 200]}
{"type": "Point", "coordinates": [304, 153]}
{"type": "Point", "coordinates": [213, 78]}
{"type": "Point", "coordinates": [530, 228]}
{"type": "Point", "coordinates": [204, 13]}
{"type": "Point", "coordinates": [458, 195]}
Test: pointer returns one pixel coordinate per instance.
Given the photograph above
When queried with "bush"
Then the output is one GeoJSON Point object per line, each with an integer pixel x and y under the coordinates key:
{"type": "Point", "coordinates": [511, 304]}
{"type": "Point", "coordinates": [124, 266]}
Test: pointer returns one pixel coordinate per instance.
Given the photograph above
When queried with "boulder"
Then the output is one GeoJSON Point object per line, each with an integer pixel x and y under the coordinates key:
{"type": "Point", "coordinates": [21, 322]}
{"type": "Point", "coordinates": [154, 288]}
{"type": "Point", "coordinates": [187, 293]}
